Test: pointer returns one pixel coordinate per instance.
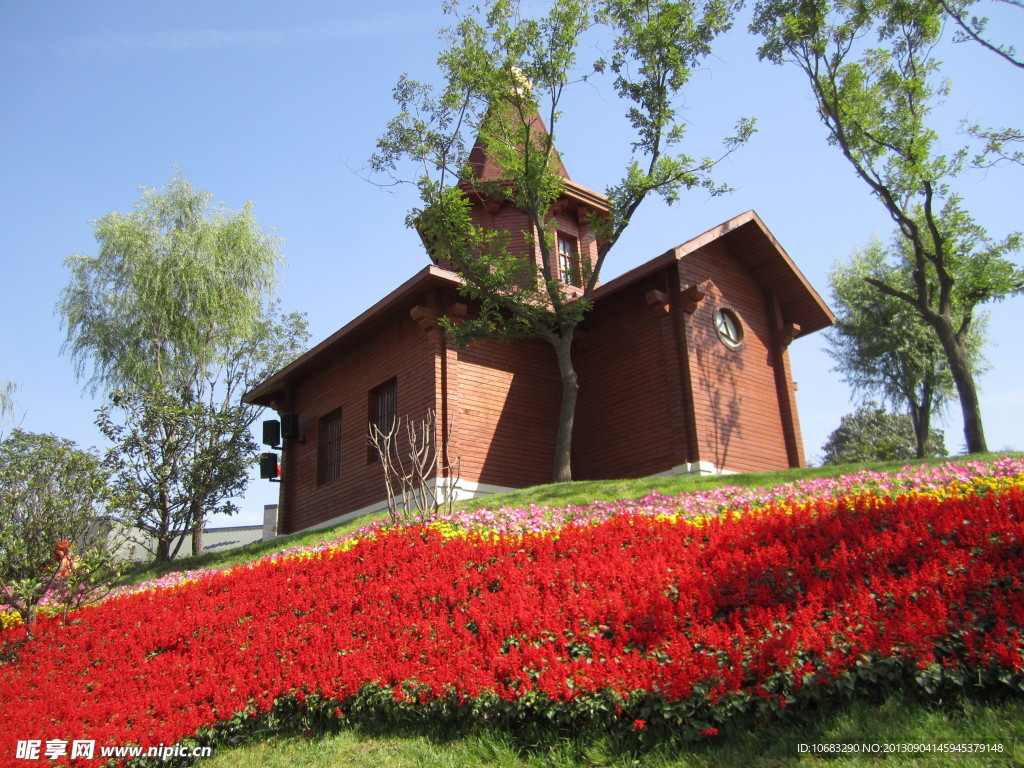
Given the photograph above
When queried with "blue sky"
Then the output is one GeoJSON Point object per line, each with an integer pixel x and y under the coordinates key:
{"type": "Point", "coordinates": [280, 104]}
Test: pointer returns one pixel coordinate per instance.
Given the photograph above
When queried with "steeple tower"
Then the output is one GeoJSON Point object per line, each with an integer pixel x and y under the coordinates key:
{"type": "Point", "coordinates": [575, 248]}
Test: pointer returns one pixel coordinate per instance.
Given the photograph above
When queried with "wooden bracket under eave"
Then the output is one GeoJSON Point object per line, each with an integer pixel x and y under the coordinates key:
{"type": "Point", "coordinates": [658, 301]}
{"type": "Point", "coordinates": [788, 332]}
{"type": "Point", "coordinates": [691, 297]}
{"type": "Point", "coordinates": [457, 310]}
{"type": "Point", "coordinates": [425, 317]}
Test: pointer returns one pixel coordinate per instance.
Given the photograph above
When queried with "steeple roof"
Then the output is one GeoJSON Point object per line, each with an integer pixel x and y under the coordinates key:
{"type": "Point", "coordinates": [484, 167]}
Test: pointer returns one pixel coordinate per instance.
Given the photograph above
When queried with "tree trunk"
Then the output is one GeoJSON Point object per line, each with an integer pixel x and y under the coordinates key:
{"type": "Point", "coordinates": [197, 530]}
{"type": "Point", "coordinates": [921, 416]}
{"type": "Point", "coordinates": [163, 530]}
{"type": "Point", "coordinates": [197, 539]}
{"type": "Point", "coordinates": [567, 414]}
{"type": "Point", "coordinates": [923, 431]}
{"type": "Point", "coordinates": [960, 368]}
{"type": "Point", "coordinates": [163, 548]}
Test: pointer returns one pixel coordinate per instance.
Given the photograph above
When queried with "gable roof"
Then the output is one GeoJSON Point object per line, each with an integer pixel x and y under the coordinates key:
{"type": "Point", "coordinates": [751, 243]}
{"type": "Point", "coordinates": [350, 333]}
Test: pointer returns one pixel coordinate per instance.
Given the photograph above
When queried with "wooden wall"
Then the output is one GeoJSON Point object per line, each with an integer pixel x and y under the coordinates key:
{"type": "Point", "coordinates": [397, 349]}
{"type": "Point", "coordinates": [736, 402]}
{"type": "Point", "coordinates": [505, 398]}
{"type": "Point", "coordinates": [631, 405]}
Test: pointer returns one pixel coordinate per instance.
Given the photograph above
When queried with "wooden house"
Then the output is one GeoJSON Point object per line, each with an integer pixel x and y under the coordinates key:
{"type": "Point", "coordinates": [682, 363]}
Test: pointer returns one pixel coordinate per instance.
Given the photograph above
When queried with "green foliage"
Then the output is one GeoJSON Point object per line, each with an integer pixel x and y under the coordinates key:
{"type": "Point", "coordinates": [52, 491]}
{"type": "Point", "coordinates": [7, 391]}
{"type": "Point", "coordinates": [503, 69]}
{"type": "Point", "coordinates": [176, 460]}
{"type": "Point", "coordinates": [870, 65]}
{"type": "Point", "coordinates": [975, 28]}
{"type": "Point", "coordinates": [898, 718]}
{"type": "Point", "coordinates": [176, 319]}
{"type": "Point", "coordinates": [885, 706]}
{"type": "Point", "coordinates": [176, 282]}
{"type": "Point", "coordinates": [1000, 146]}
{"type": "Point", "coordinates": [873, 434]}
{"type": "Point", "coordinates": [883, 347]}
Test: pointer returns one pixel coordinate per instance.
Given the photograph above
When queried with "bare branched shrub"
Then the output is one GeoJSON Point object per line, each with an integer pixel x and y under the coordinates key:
{"type": "Point", "coordinates": [424, 481]}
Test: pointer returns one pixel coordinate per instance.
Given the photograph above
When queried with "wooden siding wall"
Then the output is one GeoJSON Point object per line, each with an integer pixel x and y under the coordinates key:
{"type": "Point", "coordinates": [508, 218]}
{"type": "Point", "coordinates": [398, 350]}
{"type": "Point", "coordinates": [738, 419]}
{"type": "Point", "coordinates": [505, 217]}
{"type": "Point", "coordinates": [504, 397]}
{"type": "Point", "coordinates": [630, 419]}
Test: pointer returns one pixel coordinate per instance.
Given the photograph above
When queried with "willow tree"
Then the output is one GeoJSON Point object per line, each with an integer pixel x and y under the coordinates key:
{"type": "Point", "coordinates": [872, 71]}
{"type": "Point", "coordinates": [7, 391]}
{"type": "Point", "coordinates": [502, 70]}
{"type": "Point", "coordinates": [174, 319]}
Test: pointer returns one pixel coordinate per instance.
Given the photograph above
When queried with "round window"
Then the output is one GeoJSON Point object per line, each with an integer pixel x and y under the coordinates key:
{"type": "Point", "coordinates": [729, 328]}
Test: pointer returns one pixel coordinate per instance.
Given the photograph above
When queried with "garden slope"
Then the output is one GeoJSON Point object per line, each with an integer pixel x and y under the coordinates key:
{"type": "Point", "coordinates": [683, 623]}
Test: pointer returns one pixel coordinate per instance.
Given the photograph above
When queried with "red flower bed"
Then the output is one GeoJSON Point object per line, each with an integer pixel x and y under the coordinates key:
{"type": "Point", "coordinates": [757, 607]}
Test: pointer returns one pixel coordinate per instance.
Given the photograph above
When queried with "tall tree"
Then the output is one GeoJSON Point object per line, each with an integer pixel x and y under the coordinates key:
{"type": "Point", "coordinates": [883, 347]}
{"type": "Point", "coordinates": [502, 70]}
{"type": "Point", "coordinates": [871, 69]}
{"type": "Point", "coordinates": [176, 315]}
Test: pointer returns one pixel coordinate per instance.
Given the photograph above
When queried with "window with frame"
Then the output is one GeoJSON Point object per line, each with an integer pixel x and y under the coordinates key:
{"type": "Point", "coordinates": [569, 259]}
{"type": "Point", "coordinates": [383, 411]}
{"type": "Point", "coordinates": [729, 328]}
{"type": "Point", "coordinates": [328, 466]}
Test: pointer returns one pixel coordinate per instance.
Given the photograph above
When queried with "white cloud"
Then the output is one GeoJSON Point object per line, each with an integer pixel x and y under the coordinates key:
{"type": "Point", "coordinates": [195, 40]}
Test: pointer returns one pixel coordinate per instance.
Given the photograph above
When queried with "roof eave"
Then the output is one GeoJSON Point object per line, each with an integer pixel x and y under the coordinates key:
{"type": "Point", "coordinates": [263, 393]}
{"type": "Point", "coordinates": [824, 318]}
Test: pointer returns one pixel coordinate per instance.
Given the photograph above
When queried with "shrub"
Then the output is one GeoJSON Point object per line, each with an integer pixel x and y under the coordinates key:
{"type": "Point", "coordinates": [873, 434]}
{"type": "Point", "coordinates": [52, 545]}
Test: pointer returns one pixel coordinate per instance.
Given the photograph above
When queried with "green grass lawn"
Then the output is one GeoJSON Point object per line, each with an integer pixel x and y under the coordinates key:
{"type": "Point", "coordinates": [896, 723]}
